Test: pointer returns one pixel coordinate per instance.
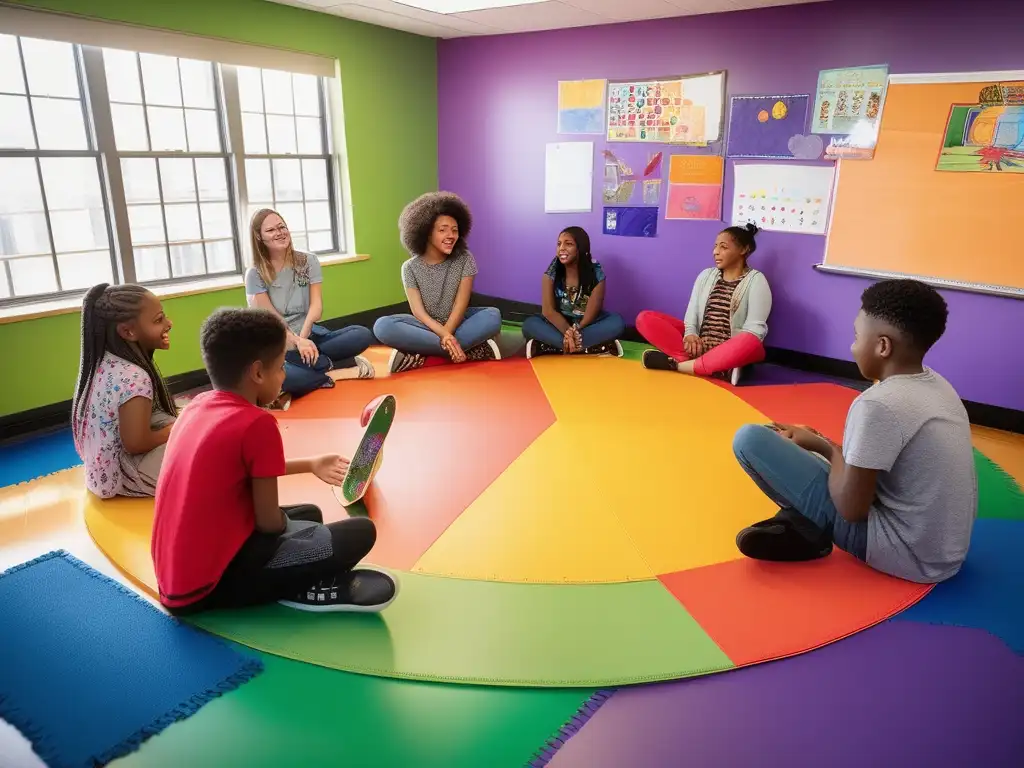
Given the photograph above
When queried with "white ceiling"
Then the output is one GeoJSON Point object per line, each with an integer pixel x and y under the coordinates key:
{"type": "Point", "coordinates": [533, 17]}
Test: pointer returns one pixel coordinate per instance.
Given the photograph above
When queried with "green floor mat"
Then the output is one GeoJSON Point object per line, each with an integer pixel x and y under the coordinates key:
{"type": "Point", "coordinates": [298, 714]}
{"type": "Point", "coordinates": [999, 495]}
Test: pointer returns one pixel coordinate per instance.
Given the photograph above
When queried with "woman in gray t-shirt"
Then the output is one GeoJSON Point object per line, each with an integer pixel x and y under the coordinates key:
{"type": "Point", "coordinates": [438, 281]}
{"type": "Point", "coordinates": [288, 282]}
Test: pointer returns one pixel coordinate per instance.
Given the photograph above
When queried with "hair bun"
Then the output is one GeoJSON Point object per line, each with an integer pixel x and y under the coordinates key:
{"type": "Point", "coordinates": [752, 228]}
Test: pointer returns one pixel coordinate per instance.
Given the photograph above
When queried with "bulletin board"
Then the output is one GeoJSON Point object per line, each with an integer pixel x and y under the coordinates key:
{"type": "Point", "coordinates": [925, 208]}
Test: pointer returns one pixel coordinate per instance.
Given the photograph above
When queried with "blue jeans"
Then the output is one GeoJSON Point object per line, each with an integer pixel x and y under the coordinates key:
{"type": "Point", "coordinates": [407, 334]}
{"type": "Point", "coordinates": [607, 327]}
{"type": "Point", "coordinates": [796, 479]}
{"type": "Point", "coordinates": [337, 348]}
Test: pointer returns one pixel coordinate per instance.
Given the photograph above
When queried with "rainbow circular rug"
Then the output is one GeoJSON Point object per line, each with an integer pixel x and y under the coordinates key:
{"type": "Point", "coordinates": [556, 522]}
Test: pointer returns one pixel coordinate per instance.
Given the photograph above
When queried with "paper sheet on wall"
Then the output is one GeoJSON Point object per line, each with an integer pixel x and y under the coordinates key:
{"type": "Point", "coordinates": [581, 106]}
{"type": "Point", "coordinates": [680, 110]}
{"type": "Point", "coordinates": [784, 198]}
{"type": "Point", "coordinates": [848, 104]}
{"type": "Point", "coordinates": [569, 177]}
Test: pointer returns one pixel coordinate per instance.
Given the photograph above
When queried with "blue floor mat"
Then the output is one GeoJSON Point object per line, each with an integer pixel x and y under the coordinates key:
{"type": "Point", "coordinates": [986, 594]}
{"type": "Point", "coordinates": [34, 457]}
{"type": "Point", "coordinates": [89, 670]}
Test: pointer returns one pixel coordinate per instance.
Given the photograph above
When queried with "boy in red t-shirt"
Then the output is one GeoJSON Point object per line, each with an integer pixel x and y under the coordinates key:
{"type": "Point", "coordinates": [220, 540]}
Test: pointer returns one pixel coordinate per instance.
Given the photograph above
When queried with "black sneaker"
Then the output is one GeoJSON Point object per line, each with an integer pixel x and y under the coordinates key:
{"type": "Point", "coordinates": [609, 349]}
{"type": "Point", "coordinates": [788, 537]}
{"type": "Point", "coordinates": [656, 360]}
{"type": "Point", "coordinates": [399, 362]}
{"type": "Point", "coordinates": [536, 348]}
{"type": "Point", "coordinates": [486, 351]}
{"type": "Point", "coordinates": [361, 590]}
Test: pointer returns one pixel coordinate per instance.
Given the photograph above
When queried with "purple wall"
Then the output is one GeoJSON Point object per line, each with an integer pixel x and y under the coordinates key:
{"type": "Point", "coordinates": [497, 109]}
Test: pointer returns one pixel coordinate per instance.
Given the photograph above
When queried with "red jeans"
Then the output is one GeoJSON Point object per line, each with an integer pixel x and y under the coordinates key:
{"type": "Point", "coordinates": [666, 333]}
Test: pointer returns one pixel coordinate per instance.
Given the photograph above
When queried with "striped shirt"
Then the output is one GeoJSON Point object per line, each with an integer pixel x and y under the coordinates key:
{"type": "Point", "coordinates": [716, 327]}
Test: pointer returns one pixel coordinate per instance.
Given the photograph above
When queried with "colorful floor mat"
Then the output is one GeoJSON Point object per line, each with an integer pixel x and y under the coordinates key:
{"type": "Point", "coordinates": [89, 670]}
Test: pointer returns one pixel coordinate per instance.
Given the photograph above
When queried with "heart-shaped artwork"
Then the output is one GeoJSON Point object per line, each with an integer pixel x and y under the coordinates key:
{"type": "Point", "coordinates": [806, 147]}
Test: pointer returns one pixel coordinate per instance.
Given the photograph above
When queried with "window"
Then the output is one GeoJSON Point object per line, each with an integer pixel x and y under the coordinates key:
{"type": "Point", "coordinates": [118, 166]}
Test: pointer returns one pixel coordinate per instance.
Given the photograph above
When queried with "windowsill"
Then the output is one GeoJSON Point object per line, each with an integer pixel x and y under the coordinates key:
{"type": "Point", "coordinates": [66, 305]}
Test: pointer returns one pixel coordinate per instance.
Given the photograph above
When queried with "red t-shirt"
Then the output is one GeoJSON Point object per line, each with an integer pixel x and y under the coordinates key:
{"type": "Point", "coordinates": [204, 507]}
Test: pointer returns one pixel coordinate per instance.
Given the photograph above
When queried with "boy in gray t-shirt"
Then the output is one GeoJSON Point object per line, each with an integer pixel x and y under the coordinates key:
{"type": "Point", "coordinates": [901, 493]}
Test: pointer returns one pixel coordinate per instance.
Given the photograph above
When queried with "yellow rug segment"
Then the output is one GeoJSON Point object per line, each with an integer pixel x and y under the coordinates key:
{"type": "Point", "coordinates": [122, 528]}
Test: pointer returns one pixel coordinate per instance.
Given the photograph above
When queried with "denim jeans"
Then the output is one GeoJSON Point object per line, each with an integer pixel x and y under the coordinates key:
{"type": "Point", "coordinates": [337, 348]}
{"type": "Point", "coordinates": [796, 479]}
{"type": "Point", "coordinates": [406, 333]}
{"type": "Point", "coordinates": [607, 327]}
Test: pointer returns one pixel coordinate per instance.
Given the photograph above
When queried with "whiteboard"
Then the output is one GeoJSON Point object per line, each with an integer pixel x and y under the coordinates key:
{"type": "Point", "coordinates": [569, 177]}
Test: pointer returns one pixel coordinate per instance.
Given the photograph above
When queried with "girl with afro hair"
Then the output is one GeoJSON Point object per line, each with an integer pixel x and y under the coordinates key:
{"type": "Point", "coordinates": [438, 281]}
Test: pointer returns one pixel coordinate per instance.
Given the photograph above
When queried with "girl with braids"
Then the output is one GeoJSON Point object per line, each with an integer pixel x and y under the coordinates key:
{"type": "Point", "coordinates": [122, 412]}
{"type": "Point", "coordinates": [572, 291]}
{"type": "Point", "coordinates": [726, 319]}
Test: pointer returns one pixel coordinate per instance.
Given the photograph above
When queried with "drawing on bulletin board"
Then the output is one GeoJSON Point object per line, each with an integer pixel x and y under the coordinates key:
{"type": "Point", "coordinates": [652, 191]}
{"type": "Point", "coordinates": [987, 135]}
{"type": "Point", "coordinates": [765, 127]}
{"type": "Point", "coordinates": [569, 177]}
{"type": "Point", "coordinates": [923, 223]}
{"type": "Point", "coordinates": [621, 183]}
{"type": "Point", "coordinates": [631, 221]}
{"type": "Point", "coordinates": [848, 107]}
{"type": "Point", "coordinates": [581, 106]}
{"type": "Point", "coordinates": [678, 110]}
{"type": "Point", "coordinates": [695, 187]}
{"type": "Point", "coordinates": [783, 198]}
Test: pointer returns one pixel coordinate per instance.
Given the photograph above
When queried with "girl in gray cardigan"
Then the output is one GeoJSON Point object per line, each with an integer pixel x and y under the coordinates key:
{"type": "Point", "coordinates": [726, 319]}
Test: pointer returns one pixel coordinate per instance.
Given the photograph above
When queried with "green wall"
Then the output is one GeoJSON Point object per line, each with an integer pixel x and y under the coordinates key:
{"type": "Point", "coordinates": [391, 152]}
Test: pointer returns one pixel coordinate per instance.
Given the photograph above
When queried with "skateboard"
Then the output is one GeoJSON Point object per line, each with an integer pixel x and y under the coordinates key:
{"type": "Point", "coordinates": [376, 418]}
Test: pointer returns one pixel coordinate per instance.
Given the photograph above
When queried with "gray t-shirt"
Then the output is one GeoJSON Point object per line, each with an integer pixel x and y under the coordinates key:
{"type": "Point", "coordinates": [289, 293]}
{"type": "Point", "coordinates": [914, 430]}
{"type": "Point", "coordinates": [438, 283]}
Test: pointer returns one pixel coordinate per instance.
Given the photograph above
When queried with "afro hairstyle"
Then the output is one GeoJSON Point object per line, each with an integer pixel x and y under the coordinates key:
{"type": "Point", "coordinates": [914, 308]}
{"type": "Point", "coordinates": [417, 220]}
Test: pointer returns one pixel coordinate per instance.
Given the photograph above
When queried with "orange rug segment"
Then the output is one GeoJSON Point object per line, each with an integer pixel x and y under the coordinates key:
{"type": "Point", "coordinates": [822, 406]}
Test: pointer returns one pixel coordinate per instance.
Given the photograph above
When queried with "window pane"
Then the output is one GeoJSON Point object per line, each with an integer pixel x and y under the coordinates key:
{"type": "Point", "coordinates": [122, 68]}
{"type": "Point", "coordinates": [5, 292]}
{"type": "Point", "coordinates": [281, 135]}
{"type": "Point", "coordinates": [151, 264]}
{"type": "Point", "coordinates": [320, 241]}
{"type": "Point", "coordinates": [293, 216]}
{"type": "Point", "coordinates": [314, 179]}
{"type": "Point", "coordinates": [160, 76]}
{"type": "Point", "coordinates": [203, 135]}
{"type": "Point", "coordinates": [257, 179]}
{"type": "Point", "coordinates": [318, 216]}
{"type": "Point", "coordinates": [197, 83]}
{"type": "Point", "coordinates": [299, 241]}
{"type": "Point", "coordinates": [81, 270]}
{"type": "Point", "coordinates": [310, 140]}
{"type": "Point", "coordinates": [59, 124]}
{"type": "Point", "coordinates": [287, 180]}
{"type": "Point", "coordinates": [212, 176]}
{"type": "Point", "coordinates": [71, 183]}
{"type": "Point", "coordinates": [146, 223]}
{"type": "Point", "coordinates": [23, 233]}
{"type": "Point", "coordinates": [250, 89]}
{"type": "Point", "coordinates": [216, 220]}
{"type": "Point", "coordinates": [15, 125]}
{"type": "Point", "coordinates": [254, 134]}
{"type": "Point", "coordinates": [51, 68]}
{"type": "Point", "coordinates": [129, 128]}
{"type": "Point", "coordinates": [187, 260]}
{"type": "Point", "coordinates": [140, 183]}
{"type": "Point", "coordinates": [277, 92]}
{"type": "Point", "coordinates": [81, 230]}
{"type": "Point", "coordinates": [166, 129]}
{"type": "Point", "coordinates": [307, 95]}
{"type": "Point", "coordinates": [33, 276]}
{"type": "Point", "coordinates": [220, 256]}
{"type": "Point", "coordinates": [23, 196]}
{"type": "Point", "coordinates": [11, 80]}
{"type": "Point", "coordinates": [176, 179]}
{"type": "Point", "coordinates": [182, 222]}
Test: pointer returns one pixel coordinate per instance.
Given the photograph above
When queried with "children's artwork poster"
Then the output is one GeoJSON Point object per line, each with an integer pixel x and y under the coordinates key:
{"type": "Point", "coordinates": [765, 126]}
{"type": "Point", "coordinates": [624, 185]}
{"type": "Point", "coordinates": [581, 106]}
{"type": "Point", "coordinates": [569, 177]}
{"type": "Point", "coordinates": [783, 197]}
{"type": "Point", "coordinates": [987, 136]}
{"type": "Point", "coordinates": [631, 221]}
{"type": "Point", "coordinates": [848, 107]}
{"type": "Point", "coordinates": [680, 110]}
{"type": "Point", "coordinates": [695, 187]}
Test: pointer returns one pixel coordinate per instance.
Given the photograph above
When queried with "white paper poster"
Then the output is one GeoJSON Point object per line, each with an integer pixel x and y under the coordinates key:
{"type": "Point", "coordinates": [569, 177]}
{"type": "Point", "coordinates": [783, 198]}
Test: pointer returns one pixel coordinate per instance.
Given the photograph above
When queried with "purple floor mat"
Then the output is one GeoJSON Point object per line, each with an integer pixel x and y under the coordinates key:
{"type": "Point", "coordinates": [768, 374]}
{"type": "Point", "coordinates": [900, 694]}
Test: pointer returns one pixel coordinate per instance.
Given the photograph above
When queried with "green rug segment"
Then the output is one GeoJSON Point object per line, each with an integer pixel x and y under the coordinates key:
{"type": "Point", "coordinates": [477, 632]}
{"type": "Point", "coordinates": [299, 714]}
{"type": "Point", "coordinates": [634, 350]}
{"type": "Point", "coordinates": [999, 495]}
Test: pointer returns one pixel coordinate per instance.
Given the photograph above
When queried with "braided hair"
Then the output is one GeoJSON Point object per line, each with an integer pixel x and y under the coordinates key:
{"type": "Point", "coordinates": [104, 307]}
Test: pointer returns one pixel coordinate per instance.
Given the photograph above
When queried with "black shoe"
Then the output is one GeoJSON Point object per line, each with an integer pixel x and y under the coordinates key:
{"type": "Point", "coordinates": [482, 352]}
{"type": "Point", "coordinates": [789, 537]}
{"type": "Point", "coordinates": [656, 360]}
{"type": "Point", "coordinates": [535, 348]}
{"type": "Point", "coordinates": [361, 590]}
{"type": "Point", "coordinates": [609, 349]}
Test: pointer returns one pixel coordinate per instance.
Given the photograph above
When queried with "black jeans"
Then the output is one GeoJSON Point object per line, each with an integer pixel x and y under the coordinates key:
{"type": "Point", "coordinates": [247, 581]}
